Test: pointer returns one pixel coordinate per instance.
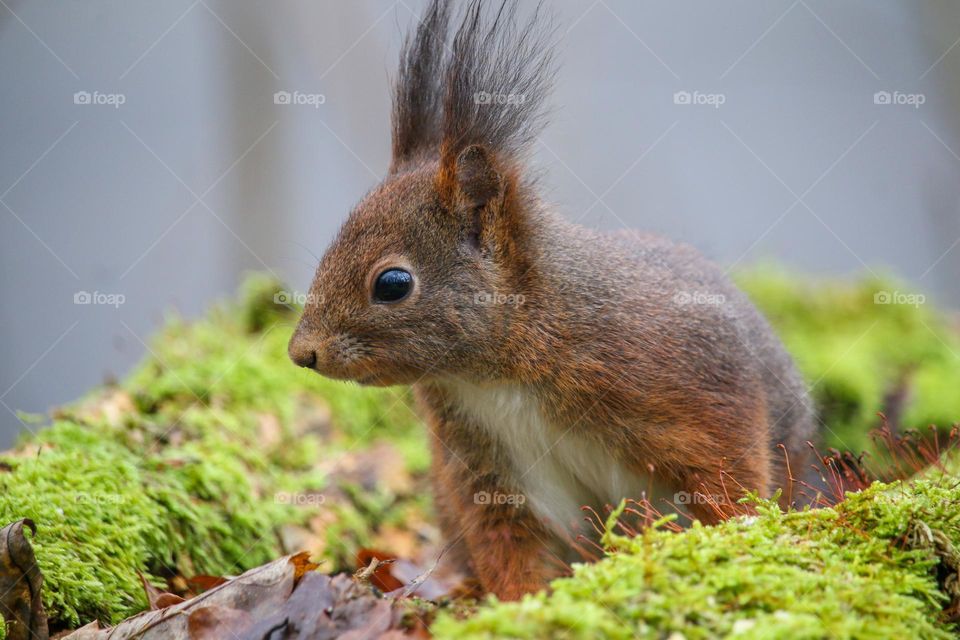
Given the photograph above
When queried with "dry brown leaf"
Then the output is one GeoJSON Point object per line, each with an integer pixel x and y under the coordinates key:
{"type": "Point", "coordinates": [374, 567]}
{"type": "Point", "coordinates": [258, 592]}
{"type": "Point", "coordinates": [214, 623]}
{"type": "Point", "coordinates": [20, 584]}
{"type": "Point", "coordinates": [302, 564]}
{"type": "Point", "coordinates": [403, 578]}
{"type": "Point", "coordinates": [283, 599]}
{"type": "Point", "coordinates": [201, 583]}
{"type": "Point", "coordinates": [157, 598]}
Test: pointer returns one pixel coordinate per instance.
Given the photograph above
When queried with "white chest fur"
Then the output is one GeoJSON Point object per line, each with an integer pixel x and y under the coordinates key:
{"type": "Point", "coordinates": [556, 470]}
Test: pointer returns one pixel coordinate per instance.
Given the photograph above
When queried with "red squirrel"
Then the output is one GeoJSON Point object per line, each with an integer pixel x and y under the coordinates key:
{"type": "Point", "coordinates": [557, 366]}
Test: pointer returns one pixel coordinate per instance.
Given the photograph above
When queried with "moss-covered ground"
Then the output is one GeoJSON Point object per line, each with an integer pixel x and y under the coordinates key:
{"type": "Point", "coordinates": [197, 462]}
{"type": "Point", "coordinates": [217, 455]}
{"type": "Point", "coordinates": [881, 564]}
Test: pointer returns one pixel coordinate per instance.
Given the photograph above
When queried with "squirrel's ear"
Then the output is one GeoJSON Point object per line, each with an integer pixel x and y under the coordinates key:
{"type": "Point", "coordinates": [477, 180]}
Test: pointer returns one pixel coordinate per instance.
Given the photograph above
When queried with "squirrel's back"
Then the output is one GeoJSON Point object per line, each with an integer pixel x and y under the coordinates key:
{"type": "Point", "coordinates": [661, 309]}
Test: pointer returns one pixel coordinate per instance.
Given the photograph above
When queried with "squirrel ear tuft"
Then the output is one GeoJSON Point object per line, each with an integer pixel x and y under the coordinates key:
{"type": "Point", "coordinates": [477, 180]}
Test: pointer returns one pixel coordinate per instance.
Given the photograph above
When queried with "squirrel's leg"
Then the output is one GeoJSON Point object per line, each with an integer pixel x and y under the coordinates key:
{"type": "Point", "coordinates": [455, 553]}
{"type": "Point", "coordinates": [713, 491]}
{"type": "Point", "coordinates": [488, 527]}
{"type": "Point", "coordinates": [715, 463]}
{"type": "Point", "coordinates": [510, 550]}
{"type": "Point", "coordinates": [714, 488]}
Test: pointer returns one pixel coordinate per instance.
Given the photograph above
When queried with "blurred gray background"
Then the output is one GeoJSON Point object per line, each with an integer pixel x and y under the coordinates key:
{"type": "Point", "coordinates": [142, 152]}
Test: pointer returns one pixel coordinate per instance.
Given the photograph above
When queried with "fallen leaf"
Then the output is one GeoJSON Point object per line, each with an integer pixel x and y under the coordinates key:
{"type": "Point", "coordinates": [403, 578]}
{"type": "Point", "coordinates": [214, 623]}
{"type": "Point", "coordinates": [283, 599]}
{"type": "Point", "coordinates": [20, 585]}
{"type": "Point", "coordinates": [259, 592]}
{"type": "Point", "coordinates": [302, 564]}
{"type": "Point", "coordinates": [374, 567]}
{"type": "Point", "coordinates": [202, 583]}
{"type": "Point", "coordinates": [157, 598]}
{"type": "Point", "coordinates": [178, 584]}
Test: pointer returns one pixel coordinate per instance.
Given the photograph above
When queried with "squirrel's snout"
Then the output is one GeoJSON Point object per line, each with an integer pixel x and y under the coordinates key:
{"type": "Point", "coordinates": [333, 356]}
{"type": "Point", "coordinates": [302, 351]}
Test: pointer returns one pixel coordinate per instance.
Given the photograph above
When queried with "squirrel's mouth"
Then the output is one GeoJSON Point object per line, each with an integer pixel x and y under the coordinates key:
{"type": "Point", "coordinates": [363, 372]}
{"type": "Point", "coordinates": [379, 380]}
{"type": "Point", "coordinates": [371, 380]}
{"type": "Point", "coordinates": [387, 375]}
{"type": "Point", "coordinates": [363, 377]}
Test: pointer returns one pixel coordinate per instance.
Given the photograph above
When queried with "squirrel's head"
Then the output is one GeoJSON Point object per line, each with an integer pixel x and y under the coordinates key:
{"type": "Point", "coordinates": [412, 284]}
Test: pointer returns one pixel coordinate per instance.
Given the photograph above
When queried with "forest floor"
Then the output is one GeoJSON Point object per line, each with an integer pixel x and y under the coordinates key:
{"type": "Point", "coordinates": [219, 488]}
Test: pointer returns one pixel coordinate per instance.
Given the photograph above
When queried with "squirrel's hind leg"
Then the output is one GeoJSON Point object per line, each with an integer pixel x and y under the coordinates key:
{"type": "Point", "coordinates": [715, 461]}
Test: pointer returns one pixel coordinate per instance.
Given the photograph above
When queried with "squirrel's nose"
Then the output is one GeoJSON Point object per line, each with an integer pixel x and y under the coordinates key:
{"type": "Point", "coordinates": [302, 351]}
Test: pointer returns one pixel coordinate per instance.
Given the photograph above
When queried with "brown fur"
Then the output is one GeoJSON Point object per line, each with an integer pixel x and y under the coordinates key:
{"type": "Point", "coordinates": [602, 339]}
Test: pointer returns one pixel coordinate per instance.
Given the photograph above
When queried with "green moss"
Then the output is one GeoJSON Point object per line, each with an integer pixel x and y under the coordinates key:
{"type": "Point", "coordinates": [857, 342]}
{"type": "Point", "coordinates": [220, 363]}
{"type": "Point", "coordinates": [178, 468]}
{"type": "Point", "coordinates": [96, 525]}
{"type": "Point", "coordinates": [864, 569]}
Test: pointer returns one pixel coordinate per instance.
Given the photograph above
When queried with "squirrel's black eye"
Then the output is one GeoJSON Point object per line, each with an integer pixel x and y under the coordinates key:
{"type": "Point", "coordinates": [393, 285]}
